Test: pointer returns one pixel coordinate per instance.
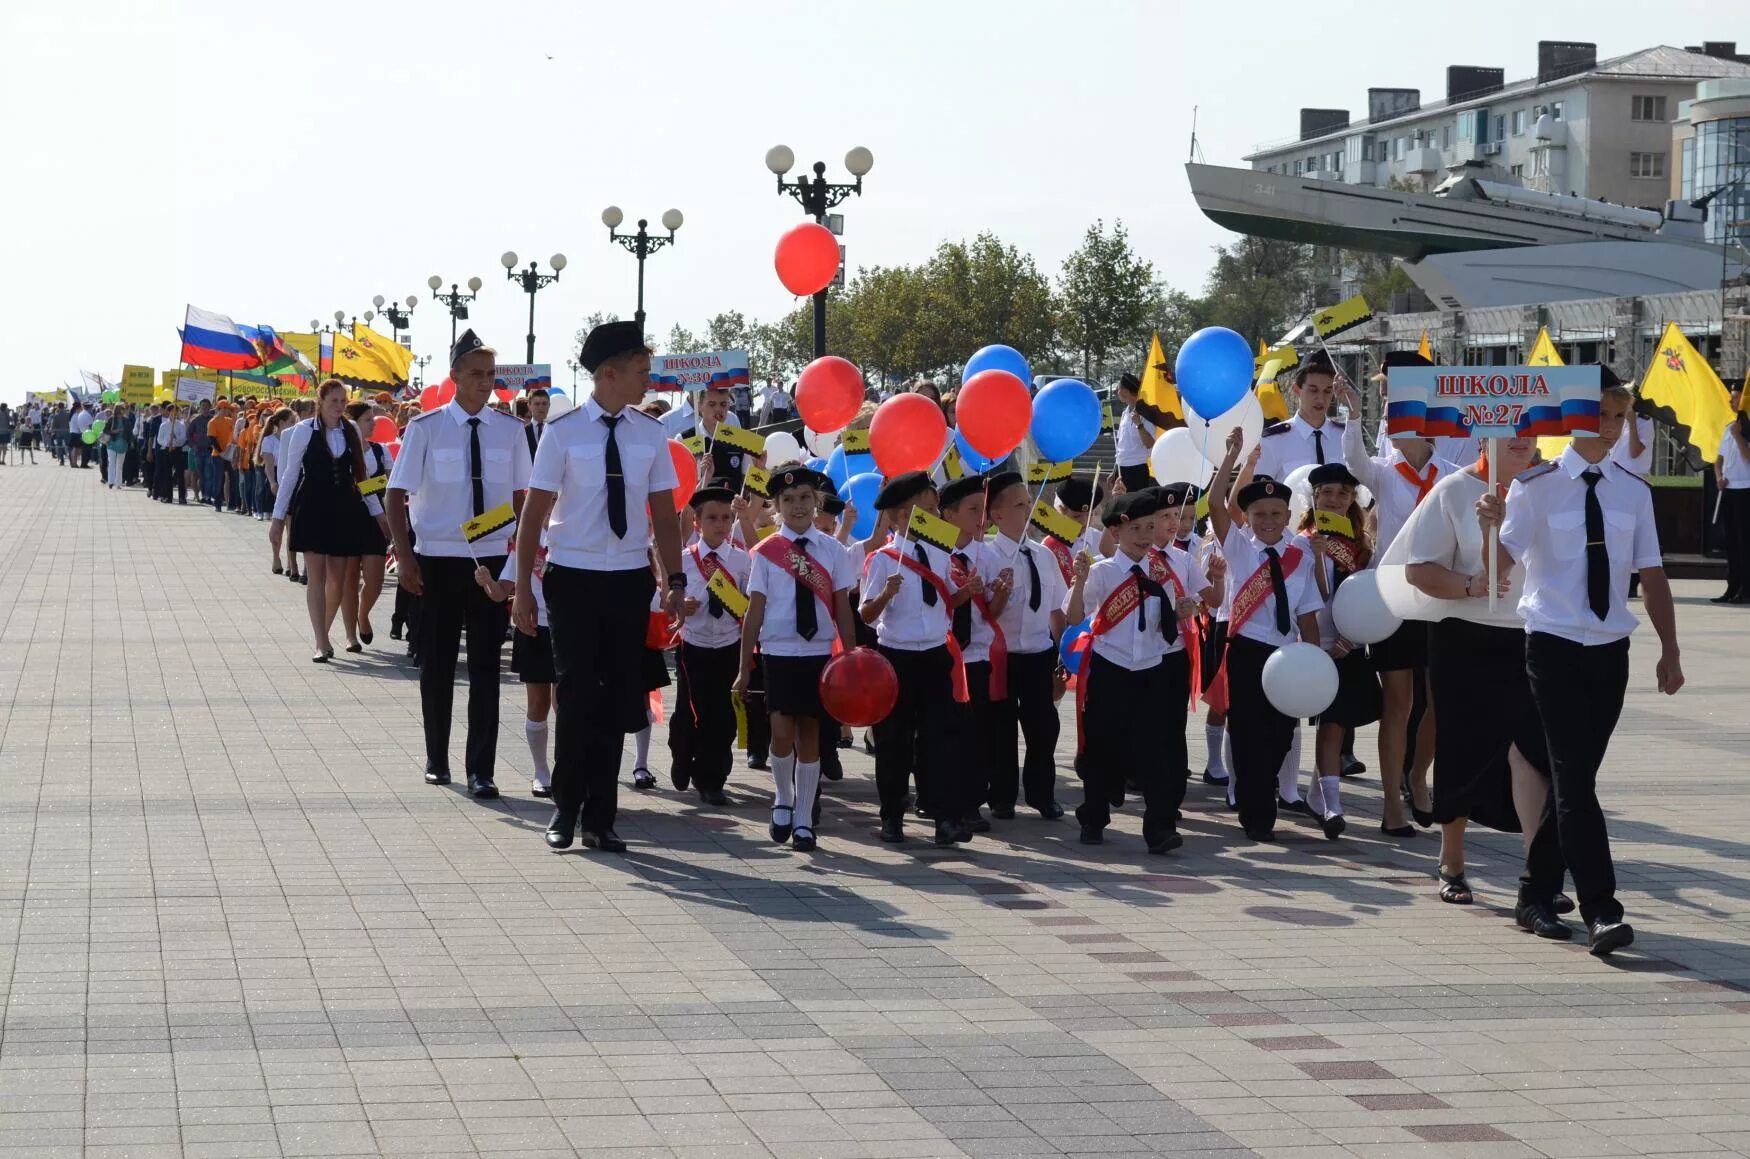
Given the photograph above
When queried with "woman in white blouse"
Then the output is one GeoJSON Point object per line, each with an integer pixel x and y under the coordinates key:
{"type": "Point", "coordinates": [267, 458]}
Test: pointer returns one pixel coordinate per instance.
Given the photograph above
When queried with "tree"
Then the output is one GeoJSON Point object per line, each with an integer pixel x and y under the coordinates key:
{"type": "Point", "coordinates": [1258, 287]}
{"type": "Point", "coordinates": [729, 330]}
{"type": "Point", "coordinates": [1104, 294]}
{"type": "Point", "coordinates": [680, 340]}
{"type": "Point", "coordinates": [979, 294]}
{"type": "Point", "coordinates": [1175, 316]}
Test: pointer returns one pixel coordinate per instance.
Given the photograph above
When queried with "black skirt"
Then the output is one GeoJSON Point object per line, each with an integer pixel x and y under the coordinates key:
{"type": "Point", "coordinates": [1358, 697]}
{"type": "Point", "coordinates": [1482, 700]}
{"type": "Point", "coordinates": [531, 657]}
{"type": "Point", "coordinates": [320, 528]}
{"type": "Point", "coordinates": [655, 670]}
{"type": "Point", "coordinates": [793, 684]}
{"type": "Point", "coordinates": [1405, 648]}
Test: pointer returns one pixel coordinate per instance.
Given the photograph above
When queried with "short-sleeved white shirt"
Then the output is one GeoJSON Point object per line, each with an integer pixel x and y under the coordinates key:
{"type": "Point", "coordinates": [572, 463]}
{"type": "Point", "coordinates": [778, 629]}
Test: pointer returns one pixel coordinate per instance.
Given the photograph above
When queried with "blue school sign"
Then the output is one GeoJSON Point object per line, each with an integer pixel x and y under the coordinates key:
{"type": "Point", "coordinates": [1492, 402]}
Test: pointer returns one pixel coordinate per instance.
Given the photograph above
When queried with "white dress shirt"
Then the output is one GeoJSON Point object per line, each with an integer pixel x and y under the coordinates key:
{"type": "Point", "coordinates": [1025, 630]}
{"type": "Point", "coordinates": [172, 433]}
{"type": "Point", "coordinates": [572, 463]}
{"type": "Point", "coordinates": [81, 422]}
{"type": "Point", "coordinates": [1394, 496]}
{"type": "Point", "coordinates": [291, 465]}
{"type": "Point", "coordinates": [1545, 532]}
{"type": "Point", "coordinates": [537, 590]}
{"type": "Point", "coordinates": [1137, 643]}
{"type": "Point", "coordinates": [778, 629]}
{"type": "Point", "coordinates": [702, 629]}
{"type": "Point", "coordinates": [1132, 450]}
{"type": "Point", "coordinates": [1295, 443]}
{"type": "Point", "coordinates": [1732, 461]}
{"type": "Point", "coordinates": [907, 622]}
{"type": "Point", "coordinates": [1453, 449]}
{"type": "Point", "coordinates": [434, 468]}
{"type": "Point", "coordinates": [270, 445]}
{"type": "Point", "coordinates": [1245, 555]}
{"type": "Point", "coordinates": [1641, 464]}
{"type": "Point", "coordinates": [1444, 530]}
{"type": "Point", "coordinates": [978, 642]}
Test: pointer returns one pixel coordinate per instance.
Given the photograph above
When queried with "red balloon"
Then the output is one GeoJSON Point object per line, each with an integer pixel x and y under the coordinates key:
{"type": "Point", "coordinates": [993, 411]}
{"type": "Point", "coordinates": [907, 434]}
{"type": "Point", "coordinates": [446, 390]}
{"type": "Point", "coordinates": [384, 430]}
{"type": "Point", "coordinates": [503, 395]}
{"type": "Point", "coordinates": [428, 399]}
{"type": "Point", "coordinates": [859, 687]}
{"type": "Point", "coordinates": [807, 258]}
{"type": "Point", "coordinates": [686, 469]}
{"type": "Point", "coordinates": [395, 450]}
{"type": "Point", "coordinates": [829, 393]}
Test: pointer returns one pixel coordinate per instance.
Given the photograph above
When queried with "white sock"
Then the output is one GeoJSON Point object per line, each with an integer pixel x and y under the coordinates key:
{"type": "Point", "coordinates": [1333, 802]}
{"type": "Point", "coordinates": [1288, 776]}
{"type": "Point", "coordinates": [1212, 737]}
{"type": "Point", "coordinates": [536, 732]}
{"type": "Point", "coordinates": [784, 781]}
{"type": "Point", "coordinates": [1315, 796]}
{"type": "Point", "coordinates": [643, 741]}
{"type": "Point", "coordinates": [1227, 748]}
{"type": "Point", "coordinates": [807, 784]}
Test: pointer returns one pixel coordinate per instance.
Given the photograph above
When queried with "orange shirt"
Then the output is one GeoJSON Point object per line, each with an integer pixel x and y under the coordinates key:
{"type": "Point", "coordinates": [219, 429]}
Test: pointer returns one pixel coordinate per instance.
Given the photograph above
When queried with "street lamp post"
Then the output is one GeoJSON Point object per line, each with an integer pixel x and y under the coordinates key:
{"type": "Point", "coordinates": [399, 319]}
{"type": "Point", "coordinates": [422, 362]}
{"type": "Point", "coordinates": [574, 366]}
{"type": "Point", "coordinates": [455, 299]}
{"type": "Point", "coordinates": [641, 245]}
{"type": "Point", "coordinates": [816, 197]}
{"type": "Point", "coordinates": [531, 282]}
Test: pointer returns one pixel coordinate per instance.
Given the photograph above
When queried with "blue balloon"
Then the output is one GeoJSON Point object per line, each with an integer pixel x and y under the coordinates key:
{"type": "Point", "coordinates": [861, 490]}
{"type": "Point", "coordinates": [860, 463]}
{"type": "Point", "coordinates": [1066, 419]}
{"type": "Point", "coordinates": [974, 462]}
{"type": "Point", "coordinates": [817, 464]}
{"type": "Point", "coordinates": [998, 357]}
{"type": "Point", "coordinates": [835, 467]}
{"type": "Point", "coordinates": [1072, 661]}
{"type": "Point", "coordinates": [1214, 371]}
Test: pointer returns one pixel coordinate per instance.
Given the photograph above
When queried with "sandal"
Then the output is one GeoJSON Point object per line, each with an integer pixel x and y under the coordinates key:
{"type": "Point", "coordinates": [1454, 889]}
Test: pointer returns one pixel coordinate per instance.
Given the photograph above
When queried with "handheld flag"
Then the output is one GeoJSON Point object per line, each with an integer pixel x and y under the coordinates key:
{"type": "Point", "coordinates": [1333, 523]}
{"type": "Point", "coordinates": [932, 529]}
{"type": "Point", "coordinates": [740, 438]}
{"type": "Point", "coordinates": [694, 443]}
{"type": "Point", "coordinates": [375, 485]}
{"type": "Point", "coordinates": [497, 519]}
{"type": "Point", "coordinates": [1043, 472]}
{"type": "Point", "coordinates": [1425, 348]}
{"type": "Point", "coordinates": [1269, 365]}
{"type": "Point", "coordinates": [214, 341]}
{"type": "Point", "coordinates": [1158, 389]}
{"type": "Point", "coordinates": [1050, 521]}
{"type": "Point", "coordinates": [855, 440]}
{"type": "Point", "coordinates": [759, 481]}
{"type": "Point", "coordinates": [727, 592]}
{"type": "Point", "coordinates": [366, 358]}
{"type": "Point", "coordinates": [1680, 388]}
{"type": "Point", "coordinates": [1345, 315]}
{"type": "Point", "coordinates": [951, 464]}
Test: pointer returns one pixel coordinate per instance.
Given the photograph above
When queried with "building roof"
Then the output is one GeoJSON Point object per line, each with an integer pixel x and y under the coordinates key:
{"type": "Point", "coordinates": [1661, 63]}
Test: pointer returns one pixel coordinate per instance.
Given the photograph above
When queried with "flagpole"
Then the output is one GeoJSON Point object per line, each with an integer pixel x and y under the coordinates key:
{"type": "Point", "coordinates": [1495, 530]}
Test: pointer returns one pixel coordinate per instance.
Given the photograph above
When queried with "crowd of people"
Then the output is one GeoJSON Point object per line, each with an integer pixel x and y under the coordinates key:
{"type": "Point", "coordinates": [564, 535]}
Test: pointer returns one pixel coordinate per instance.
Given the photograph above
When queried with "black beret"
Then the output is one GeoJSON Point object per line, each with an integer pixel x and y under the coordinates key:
{"type": "Point", "coordinates": [1079, 493]}
{"type": "Point", "coordinates": [903, 489]}
{"type": "Point", "coordinates": [1132, 505]}
{"type": "Point", "coordinates": [831, 504]}
{"type": "Point", "coordinates": [1263, 488]}
{"type": "Point", "coordinates": [1326, 473]}
{"type": "Point", "coordinates": [789, 478]}
{"type": "Point", "coordinates": [962, 488]}
{"type": "Point", "coordinates": [1404, 358]}
{"type": "Point", "coordinates": [607, 340]}
{"type": "Point", "coordinates": [1175, 495]}
{"type": "Point", "coordinates": [467, 344]}
{"type": "Point", "coordinates": [716, 491]}
{"type": "Point", "coordinates": [1000, 481]}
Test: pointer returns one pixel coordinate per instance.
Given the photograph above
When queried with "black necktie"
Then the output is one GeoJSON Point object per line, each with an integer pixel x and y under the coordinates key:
{"type": "Point", "coordinates": [1597, 553]}
{"type": "Point", "coordinates": [1033, 579]}
{"type": "Point", "coordinates": [806, 621]}
{"type": "Point", "coordinates": [474, 467]}
{"type": "Point", "coordinates": [1319, 444]}
{"type": "Point", "coordinates": [616, 480]}
{"type": "Point", "coordinates": [963, 614]}
{"type": "Point", "coordinates": [929, 588]}
{"type": "Point", "coordinates": [712, 603]}
{"type": "Point", "coordinates": [1169, 620]}
{"type": "Point", "coordinates": [1279, 583]}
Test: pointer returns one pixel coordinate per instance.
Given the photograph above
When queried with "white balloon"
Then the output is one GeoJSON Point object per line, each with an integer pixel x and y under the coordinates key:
{"type": "Point", "coordinates": [1210, 437]}
{"type": "Point", "coordinates": [1299, 493]}
{"type": "Point", "coordinates": [782, 447]}
{"type": "Point", "coordinates": [558, 404]}
{"type": "Point", "coordinates": [820, 443]}
{"type": "Point", "coordinates": [1300, 680]}
{"type": "Point", "coordinates": [1176, 459]}
{"type": "Point", "coordinates": [1360, 612]}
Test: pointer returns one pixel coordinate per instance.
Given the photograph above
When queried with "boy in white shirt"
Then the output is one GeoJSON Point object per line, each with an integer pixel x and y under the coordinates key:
{"type": "Point", "coordinates": [701, 735]}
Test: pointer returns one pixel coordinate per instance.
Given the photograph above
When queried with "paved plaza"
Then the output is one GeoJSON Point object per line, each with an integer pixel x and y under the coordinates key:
{"type": "Point", "coordinates": [235, 922]}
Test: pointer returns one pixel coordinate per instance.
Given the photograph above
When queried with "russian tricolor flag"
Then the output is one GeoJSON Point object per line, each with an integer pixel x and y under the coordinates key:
{"type": "Point", "coordinates": [217, 343]}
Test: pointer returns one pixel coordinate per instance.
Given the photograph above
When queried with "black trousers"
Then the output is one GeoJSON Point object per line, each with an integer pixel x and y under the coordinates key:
{"type": "Point", "coordinates": [972, 731]}
{"type": "Point", "coordinates": [1260, 735]}
{"type": "Point", "coordinates": [1134, 725]}
{"type": "Point", "coordinates": [1579, 691]}
{"type": "Point", "coordinates": [701, 734]}
{"type": "Point", "coordinates": [598, 620]}
{"type": "Point", "coordinates": [1030, 712]}
{"type": "Point", "coordinates": [1735, 516]}
{"type": "Point", "coordinates": [168, 472]}
{"type": "Point", "coordinates": [915, 736]}
{"type": "Point", "coordinates": [1137, 477]}
{"type": "Point", "coordinates": [453, 601]}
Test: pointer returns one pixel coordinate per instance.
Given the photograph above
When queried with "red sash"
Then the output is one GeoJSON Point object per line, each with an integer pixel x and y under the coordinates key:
{"type": "Point", "coordinates": [782, 553]}
{"type": "Point", "coordinates": [711, 568]}
{"type": "Point", "coordinates": [1060, 551]}
{"type": "Point", "coordinates": [1422, 486]}
{"type": "Point", "coordinates": [958, 677]}
{"type": "Point", "coordinates": [999, 644]}
{"type": "Point", "coordinates": [1344, 552]}
{"type": "Point", "coordinates": [1252, 593]}
{"type": "Point", "coordinates": [1127, 598]}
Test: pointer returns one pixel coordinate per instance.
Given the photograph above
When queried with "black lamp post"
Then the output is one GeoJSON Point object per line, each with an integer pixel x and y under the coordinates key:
{"type": "Point", "coordinates": [574, 366]}
{"type": "Point", "coordinates": [641, 245]}
{"type": "Point", "coordinates": [399, 319]}
{"type": "Point", "coordinates": [531, 282]}
{"type": "Point", "coordinates": [455, 299]}
{"type": "Point", "coordinates": [816, 197]}
{"type": "Point", "coordinates": [419, 376]}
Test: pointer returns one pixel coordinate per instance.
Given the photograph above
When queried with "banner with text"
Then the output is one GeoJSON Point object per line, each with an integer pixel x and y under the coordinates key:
{"type": "Point", "coordinates": [1492, 402]}
{"type": "Point", "coordinates": [523, 376]}
{"type": "Point", "coordinates": [715, 369]}
{"type": "Point", "coordinates": [137, 383]}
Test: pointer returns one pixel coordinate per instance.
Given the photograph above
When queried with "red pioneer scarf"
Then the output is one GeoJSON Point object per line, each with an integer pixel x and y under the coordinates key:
{"type": "Point", "coordinates": [958, 677]}
{"type": "Point", "coordinates": [999, 644]}
{"type": "Point", "coordinates": [1421, 484]}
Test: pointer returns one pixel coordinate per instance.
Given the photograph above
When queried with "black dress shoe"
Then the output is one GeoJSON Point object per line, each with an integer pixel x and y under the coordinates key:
{"type": "Point", "coordinates": [394, 633]}
{"type": "Point", "coordinates": [713, 797]}
{"type": "Point", "coordinates": [1727, 598]}
{"type": "Point", "coordinates": [760, 763]}
{"type": "Point", "coordinates": [366, 637]}
{"type": "Point", "coordinates": [802, 841]}
{"type": "Point", "coordinates": [680, 779]}
{"type": "Point", "coordinates": [845, 742]}
{"type": "Point", "coordinates": [1284, 805]}
{"type": "Point", "coordinates": [437, 776]}
{"type": "Point", "coordinates": [537, 789]}
{"type": "Point", "coordinates": [561, 830]}
{"type": "Point", "coordinates": [1092, 836]}
{"type": "Point", "coordinates": [1537, 918]}
{"type": "Point", "coordinates": [1166, 844]}
{"type": "Point", "coordinates": [1334, 826]}
{"type": "Point", "coordinates": [1400, 831]}
{"type": "Point", "coordinates": [1563, 904]}
{"type": "Point", "coordinates": [1210, 778]}
{"type": "Point", "coordinates": [892, 831]}
{"type": "Point", "coordinates": [1002, 812]}
{"type": "Point", "coordinates": [1115, 798]}
{"type": "Point", "coordinates": [1604, 938]}
{"type": "Point", "coordinates": [978, 823]}
{"type": "Point", "coordinates": [1351, 767]}
{"type": "Point", "coordinates": [482, 788]}
{"type": "Point", "coordinates": [946, 833]}
{"type": "Point", "coordinates": [963, 831]}
{"type": "Point", "coordinates": [1422, 817]}
{"type": "Point", "coordinates": [780, 830]}
{"type": "Point", "coordinates": [1261, 834]}
{"type": "Point", "coordinates": [1051, 810]}
{"type": "Point", "coordinates": [643, 779]}
{"type": "Point", "coordinates": [607, 841]}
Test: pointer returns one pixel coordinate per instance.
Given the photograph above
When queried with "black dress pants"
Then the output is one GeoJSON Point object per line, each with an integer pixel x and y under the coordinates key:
{"type": "Point", "coordinates": [598, 620]}
{"type": "Point", "coordinates": [1029, 711]}
{"type": "Point", "coordinates": [915, 735]}
{"type": "Point", "coordinates": [1134, 722]}
{"type": "Point", "coordinates": [701, 734]}
{"type": "Point", "coordinates": [1735, 515]}
{"type": "Point", "coordinates": [452, 601]}
{"type": "Point", "coordinates": [1260, 735]}
{"type": "Point", "coordinates": [1579, 691]}
{"type": "Point", "coordinates": [168, 472]}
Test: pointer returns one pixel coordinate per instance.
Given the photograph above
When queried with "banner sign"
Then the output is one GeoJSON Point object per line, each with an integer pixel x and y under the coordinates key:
{"type": "Point", "coordinates": [714, 369]}
{"type": "Point", "coordinates": [137, 383]}
{"type": "Point", "coordinates": [523, 376]}
{"type": "Point", "coordinates": [1491, 402]}
{"type": "Point", "coordinates": [194, 390]}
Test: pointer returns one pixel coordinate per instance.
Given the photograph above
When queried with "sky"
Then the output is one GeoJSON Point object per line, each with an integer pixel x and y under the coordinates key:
{"type": "Point", "coordinates": [279, 162]}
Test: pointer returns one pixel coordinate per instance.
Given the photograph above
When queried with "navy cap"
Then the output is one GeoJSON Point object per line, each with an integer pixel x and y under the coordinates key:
{"type": "Point", "coordinates": [1079, 493]}
{"type": "Point", "coordinates": [1131, 506]}
{"type": "Point", "coordinates": [607, 340]}
{"type": "Point", "coordinates": [1000, 481]}
{"type": "Point", "coordinates": [1261, 488]}
{"type": "Point", "coordinates": [1327, 473]}
{"type": "Point", "coordinates": [467, 344]}
{"type": "Point", "coordinates": [1175, 495]}
{"type": "Point", "coordinates": [962, 488]}
{"type": "Point", "coordinates": [790, 478]}
{"type": "Point", "coordinates": [716, 491]}
{"type": "Point", "coordinates": [902, 489]}
{"type": "Point", "coordinates": [1403, 358]}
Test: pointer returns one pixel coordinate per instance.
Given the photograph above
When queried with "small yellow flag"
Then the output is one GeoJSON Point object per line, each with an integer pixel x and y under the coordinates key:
{"type": "Point", "coordinates": [1050, 521]}
{"type": "Point", "coordinates": [951, 464]}
{"type": "Point", "coordinates": [479, 527]}
{"type": "Point", "coordinates": [855, 440]}
{"type": "Point", "coordinates": [1269, 365]}
{"type": "Point", "coordinates": [759, 481]}
{"type": "Point", "coordinates": [375, 485]}
{"type": "Point", "coordinates": [694, 443]}
{"type": "Point", "coordinates": [1332, 522]}
{"type": "Point", "coordinates": [1157, 388]}
{"type": "Point", "coordinates": [740, 438]}
{"type": "Point", "coordinates": [1544, 353]}
{"type": "Point", "coordinates": [720, 586]}
{"type": "Point", "coordinates": [1043, 472]}
{"type": "Point", "coordinates": [1425, 348]}
{"type": "Point", "coordinates": [932, 529]}
{"type": "Point", "coordinates": [1345, 315]}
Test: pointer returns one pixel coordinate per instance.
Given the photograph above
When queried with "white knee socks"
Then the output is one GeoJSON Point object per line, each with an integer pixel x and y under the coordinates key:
{"type": "Point", "coordinates": [1333, 797]}
{"type": "Point", "coordinates": [784, 781]}
{"type": "Point", "coordinates": [536, 732]}
{"type": "Point", "coordinates": [807, 784]}
{"type": "Point", "coordinates": [1288, 776]}
{"type": "Point", "coordinates": [1212, 737]}
{"type": "Point", "coordinates": [643, 742]}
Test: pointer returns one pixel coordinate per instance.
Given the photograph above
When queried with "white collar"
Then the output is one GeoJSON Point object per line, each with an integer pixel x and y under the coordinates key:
{"type": "Point", "coordinates": [598, 412]}
{"type": "Point", "coordinates": [460, 416]}
{"type": "Point", "coordinates": [1299, 421]}
{"type": "Point", "coordinates": [1574, 466]}
{"type": "Point", "coordinates": [793, 536]}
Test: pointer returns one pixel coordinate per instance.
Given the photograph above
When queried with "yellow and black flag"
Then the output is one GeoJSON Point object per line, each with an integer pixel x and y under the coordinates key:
{"type": "Point", "coordinates": [1345, 315]}
{"type": "Point", "coordinates": [1680, 388]}
{"type": "Point", "coordinates": [932, 529]}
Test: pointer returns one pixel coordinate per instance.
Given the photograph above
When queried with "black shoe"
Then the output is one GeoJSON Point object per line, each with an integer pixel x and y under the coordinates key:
{"type": "Point", "coordinates": [1166, 844]}
{"type": "Point", "coordinates": [394, 633]}
{"type": "Point", "coordinates": [832, 771]}
{"type": "Point", "coordinates": [643, 779]}
{"type": "Point", "coordinates": [437, 776]}
{"type": "Point", "coordinates": [367, 637]}
{"type": "Point", "coordinates": [802, 841]}
{"type": "Point", "coordinates": [1604, 938]}
{"type": "Point", "coordinates": [760, 763]}
{"type": "Point", "coordinates": [978, 822]}
{"type": "Point", "coordinates": [1116, 798]}
{"type": "Point", "coordinates": [1351, 767]}
{"type": "Point", "coordinates": [713, 797]}
{"type": "Point", "coordinates": [680, 779]}
{"type": "Point", "coordinates": [1050, 811]}
{"type": "Point", "coordinates": [893, 831]}
{"type": "Point", "coordinates": [1727, 598]}
{"type": "Point", "coordinates": [537, 789]}
{"type": "Point", "coordinates": [868, 743]}
{"type": "Point", "coordinates": [561, 830]}
{"type": "Point", "coordinates": [1537, 918]}
{"type": "Point", "coordinates": [482, 788]}
{"type": "Point", "coordinates": [1284, 805]}
{"type": "Point", "coordinates": [1563, 904]}
{"type": "Point", "coordinates": [1092, 836]}
{"type": "Point", "coordinates": [781, 830]}
{"type": "Point", "coordinates": [1261, 834]}
{"type": "Point", "coordinates": [607, 841]}
{"type": "Point", "coordinates": [946, 833]}
{"type": "Point", "coordinates": [1334, 826]}
{"type": "Point", "coordinates": [1210, 778]}
{"type": "Point", "coordinates": [1002, 812]}
{"type": "Point", "coordinates": [1400, 831]}
{"type": "Point", "coordinates": [963, 831]}
{"type": "Point", "coordinates": [845, 742]}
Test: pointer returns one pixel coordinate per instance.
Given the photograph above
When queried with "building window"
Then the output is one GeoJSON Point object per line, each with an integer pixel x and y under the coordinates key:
{"type": "Point", "coordinates": [1397, 148]}
{"type": "Point", "coordinates": [1446, 136]}
{"type": "Point", "coordinates": [1519, 122]}
{"type": "Point", "coordinates": [1646, 164]}
{"type": "Point", "coordinates": [1648, 108]}
{"type": "Point", "coordinates": [1555, 110]}
{"type": "Point", "coordinates": [1297, 168]}
{"type": "Point", "coordinates": [1516, 170]}
{"type": "Point", "coordinates": [1500, 126]}
{"type": "Point", "coordinates": [1367, 148]}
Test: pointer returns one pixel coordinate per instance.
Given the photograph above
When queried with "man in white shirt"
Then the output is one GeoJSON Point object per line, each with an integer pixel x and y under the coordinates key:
{"type": "Point", "coordinates": [1134, 438]}
{"type": "Point", "coordinates": [1311, 436]}
{"type": "Point", "coordinates": [77, 425]}
{"type": "Point", "coordinates": [1732, 474]}
{"type": "Point", "coordinates": [171, 456]}
{"type": "Point", "coordinates": [458, 462]}
{"type": "Point", "coordinates": [603, 485]}
{"type": "Point", "coordinates": [1579, 526]}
